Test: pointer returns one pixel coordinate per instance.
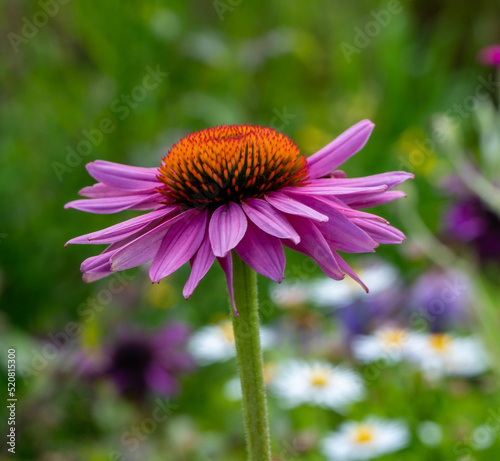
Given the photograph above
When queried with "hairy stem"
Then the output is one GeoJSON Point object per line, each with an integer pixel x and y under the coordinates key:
{"type": "Point", "coordinates": [250, 364]}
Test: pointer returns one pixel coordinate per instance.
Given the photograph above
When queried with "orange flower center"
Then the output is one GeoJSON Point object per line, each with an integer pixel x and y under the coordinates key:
{"type": "Point", "coordinates": [229, 164]}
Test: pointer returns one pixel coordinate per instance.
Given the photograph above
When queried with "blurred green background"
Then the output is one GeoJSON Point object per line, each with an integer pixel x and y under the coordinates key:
{"type": "Point", "coordinates": [73, 90]}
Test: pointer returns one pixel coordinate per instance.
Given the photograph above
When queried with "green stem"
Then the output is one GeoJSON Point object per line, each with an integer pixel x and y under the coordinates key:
{"type": "Point", "coordinates": [250, 364]}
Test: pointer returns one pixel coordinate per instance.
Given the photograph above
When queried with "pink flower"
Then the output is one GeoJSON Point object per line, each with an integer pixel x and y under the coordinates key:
{"type": "Point", "coordinates": [242, 188]}
{"type": "Point", "coordinates": [490, 56]}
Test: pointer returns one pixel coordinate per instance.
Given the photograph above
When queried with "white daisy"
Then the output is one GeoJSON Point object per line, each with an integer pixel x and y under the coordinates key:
{"type": "Point", "coordinates": [367, 439]}
{"type": "Point", "coordinates": [440, 354]}
{"type": "Point", "coordinates": [378, 276]}
{"type": "Point", "coordinates": [317, 383]}
{"type": "Point", "coordinates": [215, 343]}
{"type": "Point", "coordinates": [388, 344]}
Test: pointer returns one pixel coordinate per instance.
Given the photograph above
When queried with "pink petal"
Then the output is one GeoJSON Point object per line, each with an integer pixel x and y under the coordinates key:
{"type": "Point", "coordinates": [327, 187]}
{"type": "Point", "coordinates": [181, 242]}
{"type": "Point", "coordinates": [269, 219]}
{"type": "Point", "coordinates": [200, 264]}
{"type": "Point", "coordinates": [340, 232]}
{"type": "Point", "coordinates": [372, 199]}
{"type": "Point", "coordinates": [227, 227]}
{"type": "Point", "coordinates": [227, 266]}
{"type": "Point", "coordinates": [263, 253]}
{"type": "Point", "coordinates": [89, 277]}
{"type": "Point", "coordinates": [289, 205]}
{"type": "Point", "coordinates": [339, 150]}
{"type": "Point", "coordinates": [314, 245]}
{"type": "Point", "coordinates": [124, 229]}
{"type": "Point", "coordinates": [345, 268]}
{"type": "Point", "coordinates": [380, 232]}
{"type": "Point", "coordinates": [123, 177]}
{"type": "Point", "coordinates": [144, 248]}
{"type": "Point", "coordinates": [116, 204]}
{"type": "Point", "coordinates": [98, 261]}
{"type": "Point", "coordinates": [391, 179]}
{"type": "Point", "coordinates": [101, 190]}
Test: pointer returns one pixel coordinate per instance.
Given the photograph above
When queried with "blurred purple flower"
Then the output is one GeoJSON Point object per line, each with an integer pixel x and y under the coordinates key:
{"type": "Point", "coordinates": [490, 56]}
{"type": "Point", "coordinates": [372, 312]}
{"type": "Point", "coordinates": [470, 221]}
{"type": "Point", "coordinates": [140, 362]}
{"type": "Point", "coordinates": [381, 307]}
{"type": "Point", "coordinates": [440, 298]}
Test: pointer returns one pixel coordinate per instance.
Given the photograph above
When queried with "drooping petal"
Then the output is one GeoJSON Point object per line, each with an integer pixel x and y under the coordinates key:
{"type": "Point", "coordinates": [115, 204]}
{"type": "Point", "coordinates": [200, 264]}
{"type": "Point", "coordinates": [180, 243]}
{"type": "Point", "coordinates": [339, 150]}
{"type": "Point", "coordinates": [340, 232]}
{"type": "Point", "coordinates": [262, 252]}
{"type": "Point", "coordinates": [124, 229]}
{"type": "Point", "coordinates": [227, 227]}
{"type": "Point", "coordinates": [314, 245]}
{"type": "Point", "coordinates": [269, 219]}
{"type": "Point", "coordinates": [289, 205]}
{"type": "Point", "coordinates": [227, 266]}
{"type": "Point", "coordinates": [359, 201]}
{"type": "Point", "coordinates": [347, 269]}
{"type": "Point", "coordinates": [379, 231]}
{"type": "Point", "coordinates": [123, 177]}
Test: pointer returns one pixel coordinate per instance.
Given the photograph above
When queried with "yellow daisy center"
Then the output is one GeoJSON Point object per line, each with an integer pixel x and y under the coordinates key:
{"type": "Point", "coordinates": [440, 342]}
{"type": "Point", "coordinates": [394, 337]}
{"type": "Point", "coordinates": [320, 377]}
{"type": "Point", "coordinates": [229, 164]}
{"type": "Point", "coordinates": [364, 434]}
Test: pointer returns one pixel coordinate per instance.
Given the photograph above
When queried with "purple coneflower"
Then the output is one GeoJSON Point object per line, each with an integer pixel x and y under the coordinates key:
{"type": "Point", "coordinates": [243, 188]}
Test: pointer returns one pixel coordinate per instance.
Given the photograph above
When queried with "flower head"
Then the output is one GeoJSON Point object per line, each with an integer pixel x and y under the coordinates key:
{"type": "Point", "coordinates": [490, 56]}
{"type": "Point", "coordinates": [317, 383]}
{"type": "Point", "coordinates": [368, 439]}
{"type": "Point", "coordinates": [389, 344]}
{"type": "Point", "coordinates": [138, 363]}
{"type": "Point", "coordinates": [242, 188]}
